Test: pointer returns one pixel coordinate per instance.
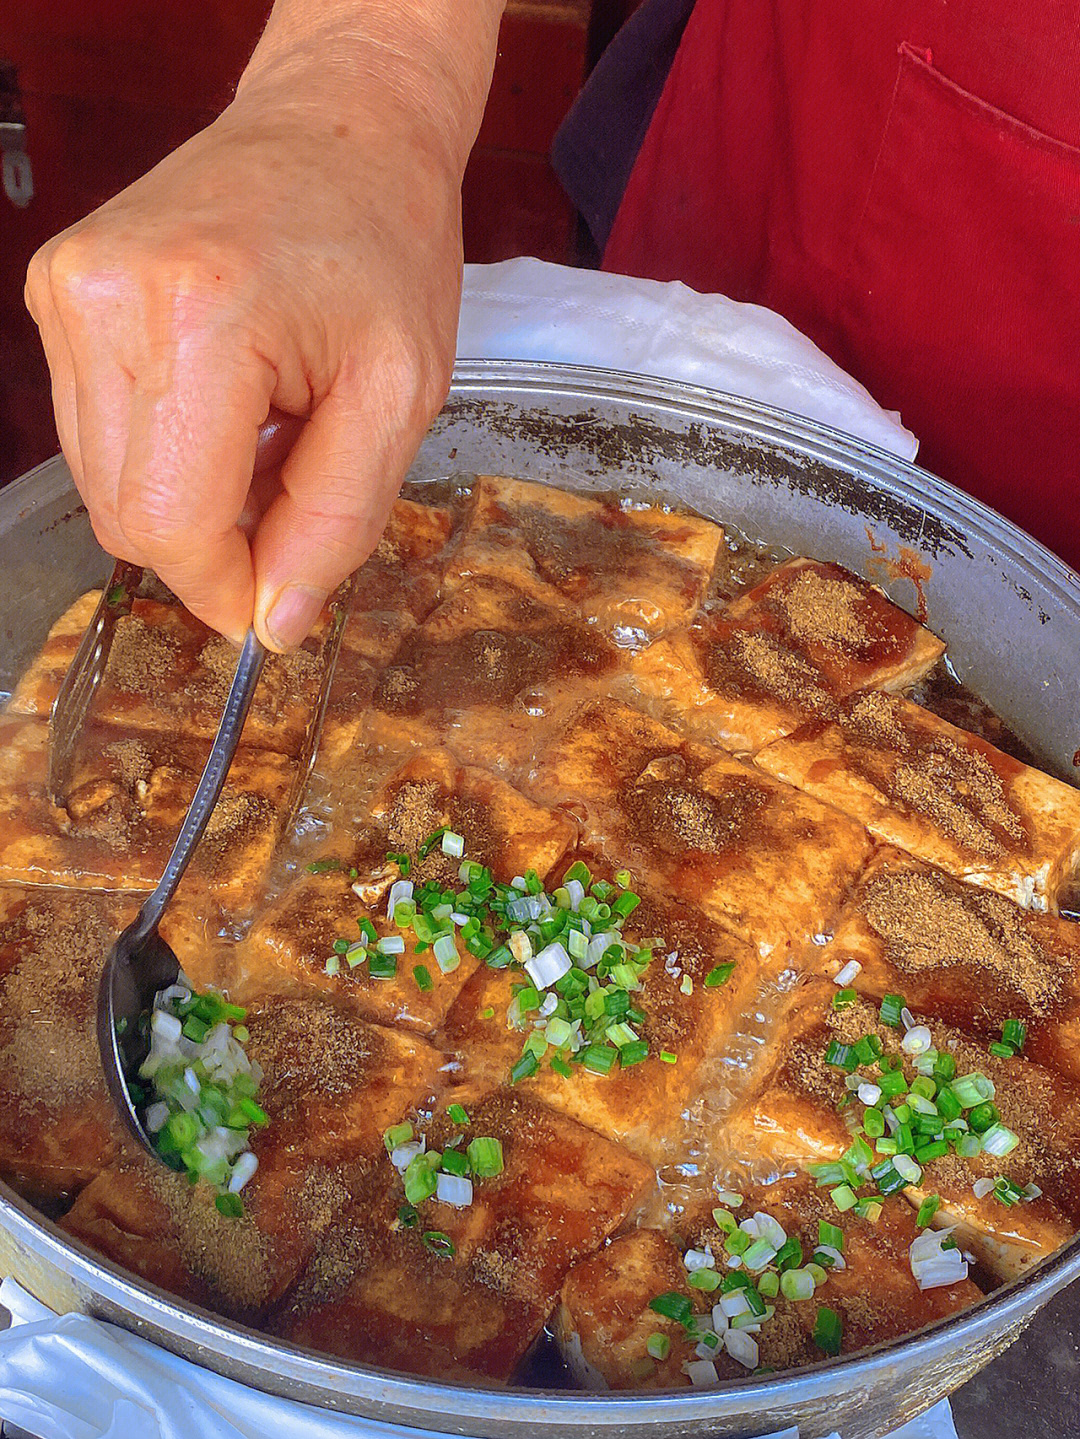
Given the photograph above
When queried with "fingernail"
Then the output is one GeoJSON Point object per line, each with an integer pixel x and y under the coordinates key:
{"type": "Point", "coordinates": [293, 614]}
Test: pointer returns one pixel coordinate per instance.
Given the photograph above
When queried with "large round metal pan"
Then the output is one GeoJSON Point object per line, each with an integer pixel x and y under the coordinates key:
{"type": "Point", "coordinates": [1010, 612]}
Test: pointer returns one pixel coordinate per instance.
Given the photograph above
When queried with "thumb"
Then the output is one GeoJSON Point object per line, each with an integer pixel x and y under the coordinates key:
{"type": "Point", "coordinates": [337, 486]}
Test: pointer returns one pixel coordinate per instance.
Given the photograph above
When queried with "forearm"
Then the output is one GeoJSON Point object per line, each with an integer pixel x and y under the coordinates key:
{"type": "Point", "coordinates": [433, 58]}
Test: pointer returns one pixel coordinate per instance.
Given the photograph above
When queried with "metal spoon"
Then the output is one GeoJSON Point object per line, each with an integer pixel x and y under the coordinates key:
{"type": "Point", "coordinates": [140, 963]}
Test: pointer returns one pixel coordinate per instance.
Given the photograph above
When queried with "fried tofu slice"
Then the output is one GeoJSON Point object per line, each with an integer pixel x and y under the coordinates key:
{"type": "Point", "coordinates": [332, 1083]}
{"type": "Point", "coordinates": [652, 1107]}
{"type": "Point", "coordinates": [125, 806]}
{"type": "Point", "coordinates": [757, 857]}
{"type": "Point", "coordinates": [404, 571]}
{"type": "Point", "coordinates": [603, 1323]}
{"type": "Point", "coordinates": [630, 570]}
{"type": "Point", "coordinates": [789, 650]}
{"type": "Point", "coordinates": [58, 1125]}
{"type": "Point", "coordinates": [168, 673]}
{"type": "Point", "coordinates": [489, 671]}
{"type": "Point", "coordinates": [966, 955]}
{"type": "Point", "coordinates": [331, 1086]}
{"type": "Point", "coordinates": [796, 1119]}
{"type": "Point", "coordinates": [378, 1293]}
{"type": "Point", "coordinates": [392, 591]}
{"type": "Point", "coordinates": [940, 793]}
{"type": "Point", "coordinates": [291, 941]}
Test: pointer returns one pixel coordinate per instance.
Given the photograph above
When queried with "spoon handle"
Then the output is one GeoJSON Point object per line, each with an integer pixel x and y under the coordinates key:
{"type": "Point", "coordinates": [252, 657]}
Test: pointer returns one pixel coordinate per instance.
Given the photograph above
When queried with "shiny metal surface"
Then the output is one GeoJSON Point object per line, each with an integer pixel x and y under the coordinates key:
{"type": "Point", "coordinates": [140, 963]}
{"type": "Point", "coordinates": [1010, 612]}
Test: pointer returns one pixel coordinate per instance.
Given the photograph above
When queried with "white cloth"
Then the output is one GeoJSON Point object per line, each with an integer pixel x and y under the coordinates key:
{"type": "Point", "coordinates": [531, 310]}
{"type": "Point", "coordinates": [71, 1377]}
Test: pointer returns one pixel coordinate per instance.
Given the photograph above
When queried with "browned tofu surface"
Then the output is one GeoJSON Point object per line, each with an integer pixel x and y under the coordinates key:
{"type": "Point", "coordinates": [333, 1083]}
{"type": "Point", "coordinates": [404, 571]}
{"type": "Point", "coordinates": [796, 1119]}
{"type": "Point", "coordinates": [331, 1086]}
{"type": "Point", "coordinates": [651, 1107]}
{"type": "Point", "coordinates": [966, 955]}
{"type": "Point", "coordinates": [787, 651]}
{"type": "Point", "coordinates": [127, 800]}
{"type": "Point", "coordinates": [376, 1293]}
{"type": "Point", "coordinates": [875, 1295]}
{"type": "Point", "coordinates": [632, 571]}
{"type": "Point", "coordinates": [168, 673]}
{"type": "Point", "coordinates": [757, 857]}
{"type": "Point", "coordinates": [486, 671]}
{"type": "Point", "coordinates": [940, 793]}
{"type": "Point", "coordinates": [288, 946]}
{"type": "Point", "coordinates": [57, 1123]}
{"type": "Point", "coordinates": [150, 1221]}
{"type": "Point", "coordinates": [604, 1320]}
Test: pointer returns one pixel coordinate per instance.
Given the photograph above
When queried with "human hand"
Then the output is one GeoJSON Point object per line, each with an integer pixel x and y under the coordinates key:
{"type": "Point", "coordinates": [302, 253]}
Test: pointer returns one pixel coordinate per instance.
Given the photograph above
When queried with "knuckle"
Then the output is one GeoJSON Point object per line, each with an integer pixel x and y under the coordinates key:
{"type": "Point", "coordinates": [151, 529]}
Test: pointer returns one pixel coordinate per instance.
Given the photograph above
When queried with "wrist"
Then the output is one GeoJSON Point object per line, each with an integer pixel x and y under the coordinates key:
{"type": "Point", "coordinates": [352, 63]}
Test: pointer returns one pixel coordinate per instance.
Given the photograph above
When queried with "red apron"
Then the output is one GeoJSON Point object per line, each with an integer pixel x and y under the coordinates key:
{"type": "Point", "coordinates": [902, 181]}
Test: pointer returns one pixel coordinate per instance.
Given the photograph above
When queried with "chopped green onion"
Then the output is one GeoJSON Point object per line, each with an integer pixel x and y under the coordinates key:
{"type": "Point", "coordinates": [797, 1284]}
{"type": "Point", "coordinates": [705, 1279]}
{"type": "Point", "coordinates": [323, 866]}
{"type": "Point", "coordinates": [828, 1330]}
{"type": "Point", "coordinates": [768, 1284]}
{"type": "Point", "coordinates": [1006, 1191]}
{"type": "Point", "coordinates": [843, 1196]}
{"type": "Point", "coordinates": [719, 975]}
{"type": "Point", "coordinates": [454, 1162]}
{"type": "Point", "coordinates": [790, 1253]}
{"type": "Point", "coordinates": [673, 1306]}
{"type": "Point", "coordinates": [972, 1089]}
{"type": "Point", "coordinates": [560, 1066]}
{"type": "Point", "coordinates": [485, 1157]}
{"type": "Point", "coordinates": [892, 1084]}
{"type": "Point", "coordinates": [598, 1058]}
{"type": "Point", "coordinates": [667, 1057]}
{"type": "Point", "coordinates": [439, 1244]}
{"type": "Point", "coordinates": [927, 1209]}
{"type": "Point", "coordinates": [658, 1346]}
{"type": "Point", "coordinates": [423, 978]}
{"type": "Point", "coordinates": [841, 1056]}
{"type": "Point", "coordinates": [892, 1007]}
{"type": "Point", "coordinates": [230, 1205]}
{"type": "Point", "coordinates": [420, 1179]}
{"type": "Point", "coordinates": [332, 965]}
{"type": "Point", "coordinates": [1000, 1050]}
{"type": "Point", "coordinates": [1014, 1032]}
{"type": "Point", "coordinates": [382, 966]}
{"type": "Point", "coordinates": [843, 998]}
{"type": "Point", "coordinates": [397, 1135]}
{"type": "Point", "coordinates": [633, 1053]}
{"type": "Point", "coordinates": [999, 1140]}
{"type": "Point", "coordinates": [830, 1234]}
{"type": "Point", "coordinates": [457, 1113]}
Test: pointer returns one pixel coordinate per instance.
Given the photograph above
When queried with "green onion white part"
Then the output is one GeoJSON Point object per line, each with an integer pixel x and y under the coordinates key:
{"type": "Point", "coordinates": [202, 1088]}
{"type": "Point", "coordinates": [934, 1265]}
{"type": "Point", "coordinates": [845, 976]}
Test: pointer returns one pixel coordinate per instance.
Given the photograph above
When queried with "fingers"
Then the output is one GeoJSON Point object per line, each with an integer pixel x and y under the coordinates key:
{"type": "Point", "coordinates": [338, 485]}
{"type": "Point", "coordinates": [184, 480]}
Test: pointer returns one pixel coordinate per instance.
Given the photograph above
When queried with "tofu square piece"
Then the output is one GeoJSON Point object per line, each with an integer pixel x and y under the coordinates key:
{"type": "Point", "coordinates": [940, 793]}
{"type": "Point", "coordinates": [331, 1086]}
{"type": "Point", "coordinates": [757, 857]}
{"type": "Point", "coordinates": [404, 571]}
{"type": "Point", "coordinates": [650, 1107]}
{"type": "Point", "coordinates": [604, 1320]}
{"type": "Point", "coordinates": [128, 797]}
{"type": "Point", "coordinates": [796, 1118]}
{"type": "Point", "coordinates": [58, 1125]}
{"type": "Point", "coordinates": [292, 939]}
{"type": "Point", "coordinates": [380, 1294]}
{"type": "Point", "coordinates": [489, 671]}
{"type": "Point", "coordinates": [332, 1083]}
{"type": "Point", "coordinates": [966, 955]}
{"type": "Point", "coordinates": [168, 673]}
{"type": "Point", "coordinates": [789, 650]}
{"type": "Point", "coordinates": [631, 570]}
